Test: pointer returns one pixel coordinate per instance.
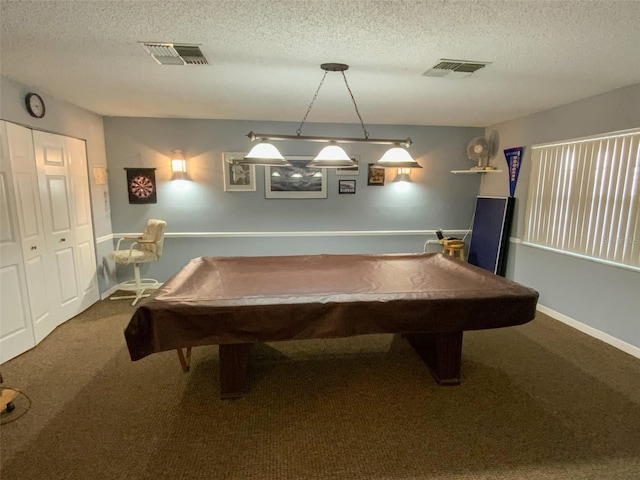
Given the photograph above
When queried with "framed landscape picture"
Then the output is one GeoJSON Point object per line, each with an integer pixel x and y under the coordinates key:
{"type": "Point", "coordinates": [346, 186]}
{"type": "Point", "coordinates": [296, 181]}
{"type": "Point", "coordinates": [238, 178]}
{"type": "Point", "coordinates": [376, 175]}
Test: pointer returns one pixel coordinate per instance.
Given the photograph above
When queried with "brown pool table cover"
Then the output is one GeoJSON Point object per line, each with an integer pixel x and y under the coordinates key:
{"type": "Point", "coordinates": [220, 300]}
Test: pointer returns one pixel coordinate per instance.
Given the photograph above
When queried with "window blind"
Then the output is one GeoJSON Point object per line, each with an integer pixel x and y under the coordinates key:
{"type": "Point", "coordinates": [584, 197]}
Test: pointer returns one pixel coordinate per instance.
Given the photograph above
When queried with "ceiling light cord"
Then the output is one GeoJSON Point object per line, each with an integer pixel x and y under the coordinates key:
{"type": "Point", "coordinates": [353, 99]}
{"type": "Point", "coordinates": [299, 130]}
{"type": "Point", "coordinates": [366, 134]}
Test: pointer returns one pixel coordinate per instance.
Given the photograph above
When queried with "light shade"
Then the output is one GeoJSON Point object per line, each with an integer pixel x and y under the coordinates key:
{"type": "Point", "coordinates": [397, 157]}
{"type": "Point", "coordinates": [332, 156]}
{"type": "Point", "coordinates": [178, 163]}
{"type": "Point", "coordinates": [404, 175]}
{"type": "Point", "coordinates": [178, 166]}
{"type": "Point", "coordinates": [264, 153]}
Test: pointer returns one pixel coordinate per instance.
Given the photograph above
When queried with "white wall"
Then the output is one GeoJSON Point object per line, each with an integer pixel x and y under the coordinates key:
{"type": "Point", "coordinates": [67, 119]}
{"type": "Point", "coordinates": [603, 297]}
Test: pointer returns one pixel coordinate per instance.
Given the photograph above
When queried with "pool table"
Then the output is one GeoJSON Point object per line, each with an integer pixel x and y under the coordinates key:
{"type": "Point", "coordinates": [234, 302]}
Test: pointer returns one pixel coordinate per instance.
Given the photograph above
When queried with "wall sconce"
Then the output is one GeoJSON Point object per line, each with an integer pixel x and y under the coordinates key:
{"type": "Point", "coordinates": [178, 166]}
{"type": "Point", "coordinates": [404, 175]}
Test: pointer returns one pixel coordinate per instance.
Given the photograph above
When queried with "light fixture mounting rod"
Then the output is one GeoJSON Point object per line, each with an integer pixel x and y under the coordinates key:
{"type": "Point", "coordinates": [406, 143]}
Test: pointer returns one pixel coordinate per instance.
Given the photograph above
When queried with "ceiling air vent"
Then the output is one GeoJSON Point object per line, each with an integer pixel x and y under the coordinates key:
{"type": "Point", "coordinates": [174, 53]}
{"type": "Point", "coordinates": [454, 68]}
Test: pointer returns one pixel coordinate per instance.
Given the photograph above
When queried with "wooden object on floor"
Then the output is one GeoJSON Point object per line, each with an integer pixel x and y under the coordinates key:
{"type": "Point", "coordinates": [234, 359]}
{"type": "Point", "coordinates": [185, 361]}
{"type": "Point", "coordinates": [6, 397]}
{"type": "Point", "coordinates": [453, 248]}
{"type": "Point", "coordinates": [441, 351]}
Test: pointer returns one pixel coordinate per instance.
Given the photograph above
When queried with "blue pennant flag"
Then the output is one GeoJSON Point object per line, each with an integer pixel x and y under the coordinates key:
{"type": "Point", "coordinates": [514, 156]}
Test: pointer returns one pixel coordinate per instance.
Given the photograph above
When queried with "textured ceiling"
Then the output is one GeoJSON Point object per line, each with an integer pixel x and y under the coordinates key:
{"type": "Point", "coordinates": [264, 57]}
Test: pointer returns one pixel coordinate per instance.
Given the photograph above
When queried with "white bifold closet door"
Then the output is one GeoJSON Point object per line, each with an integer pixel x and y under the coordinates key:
{"type": "Point", "coordinates": [21, 243]}
{"type": "Point", "coordinates": [55, 226]}
{"type": "Point", "coordinates": [66, 206]}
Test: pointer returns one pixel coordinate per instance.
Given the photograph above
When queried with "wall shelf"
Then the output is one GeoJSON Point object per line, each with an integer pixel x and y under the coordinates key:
{"type": "Point", "coordinates": [476, 171]}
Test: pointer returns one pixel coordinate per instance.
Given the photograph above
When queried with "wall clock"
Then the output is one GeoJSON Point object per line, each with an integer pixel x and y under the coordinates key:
{"type": "Point", "coordinates": [35, 105]}
{"type": "Point", "coordinates": [141, 185]}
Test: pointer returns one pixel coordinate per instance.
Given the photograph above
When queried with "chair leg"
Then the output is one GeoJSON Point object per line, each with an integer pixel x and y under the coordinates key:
{"type": "Point", "coordinates": [136, 274]}
{"type": "Point", "coordinates": [137, 287]}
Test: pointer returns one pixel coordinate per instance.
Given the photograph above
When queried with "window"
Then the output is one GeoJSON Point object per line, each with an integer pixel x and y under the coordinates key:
{"type": "Point", "coordinates": [584, 198]}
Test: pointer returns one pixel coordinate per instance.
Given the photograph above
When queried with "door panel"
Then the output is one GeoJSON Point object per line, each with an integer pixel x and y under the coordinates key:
{"type": "Point", "coordinates": [82, 222]}
{"type": "Point", "coordinates": [53, 155]}
{"type": "Point", "coordinates": [62, 167]}
{"type": "Point", "coordinates": [16, 328]}
{"type": "Point", "coordinates": [38, 291]}
{"type": "Point", "coordinates": [80, 192]}
{"type": "Point", "coordinates": [28, 205]}
{"type": "Point", "coordinates": [38, 263]}
{"type": "Point", "coordinates": [7, 235]}
{"type": "Point", "coordinates": [14, 317]}
{"type": "Point", "coordinates": [51, 162]}
{"type": "Point", "coordinates": [87, 264]}
{"type": "Point", "coordinates": [58, 200]}
{"type": "Point", "coordinates": [67, 280]}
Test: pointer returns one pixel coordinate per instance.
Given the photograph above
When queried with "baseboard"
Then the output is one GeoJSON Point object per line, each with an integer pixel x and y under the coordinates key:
{"type": "Point", "coordinates": [109, 292]}
{"type": "Point", "coordinates": [593, 332]}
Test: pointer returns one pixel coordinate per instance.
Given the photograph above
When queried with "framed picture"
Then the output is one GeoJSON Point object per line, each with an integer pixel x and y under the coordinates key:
{"type": "Point", "coordinates": [376, 175]}
{"type": "Point", "coordinates": [346, 186]}
{"type": "Point", "coordinates": [141, 185]}
{"type": "Point", "coordinates": [350, 170]}
{"type": "Point", "coordinates": [296, 181]}
{"type": "Point", "coordinates": [238, 178]}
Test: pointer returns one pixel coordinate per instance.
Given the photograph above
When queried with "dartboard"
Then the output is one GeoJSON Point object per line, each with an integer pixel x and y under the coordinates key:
{"type": "Point", "coordinates": [141, 186]}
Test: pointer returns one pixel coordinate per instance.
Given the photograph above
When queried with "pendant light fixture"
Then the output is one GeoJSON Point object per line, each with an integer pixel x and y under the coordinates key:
{"type": "Point", "coordinates": [264, 153]}
{"type": "Point", "coordinates": [397, 157]}
{"type": "Point", "coordinates": [332, 155]}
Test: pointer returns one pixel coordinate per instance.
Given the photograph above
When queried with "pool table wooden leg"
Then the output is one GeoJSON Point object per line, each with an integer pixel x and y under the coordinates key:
{"type": "Point", "coordinates": [442, 352]}
{"type": "Point", "coordinates": [234, 358]}
{"type": "Point", "coordinates": [185, 362]}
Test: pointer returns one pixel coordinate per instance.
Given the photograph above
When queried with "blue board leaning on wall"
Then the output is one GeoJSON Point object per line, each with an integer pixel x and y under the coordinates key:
{"type": "Point", "coordinates": [490, 233]}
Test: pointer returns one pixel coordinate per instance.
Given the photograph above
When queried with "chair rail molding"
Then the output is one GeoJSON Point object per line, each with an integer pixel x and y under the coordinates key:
{"type": "Point", "coordinates": [317, 233]}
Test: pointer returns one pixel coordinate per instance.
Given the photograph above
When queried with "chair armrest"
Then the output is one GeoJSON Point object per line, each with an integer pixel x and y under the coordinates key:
{"type": "Point", "coordinates": [128, 239]}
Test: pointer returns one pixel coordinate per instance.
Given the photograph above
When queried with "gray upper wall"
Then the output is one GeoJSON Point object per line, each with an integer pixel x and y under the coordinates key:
{"type": "Point", "coordinates": [436, 199]}
{"type": "Point", "coordinates": [199, 211]}
{"type": "Point", "coordinates": [600, 296]}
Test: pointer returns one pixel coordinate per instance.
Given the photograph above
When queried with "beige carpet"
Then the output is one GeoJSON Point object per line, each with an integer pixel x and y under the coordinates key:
{"type": "Point", "coordinates": [540, 401]}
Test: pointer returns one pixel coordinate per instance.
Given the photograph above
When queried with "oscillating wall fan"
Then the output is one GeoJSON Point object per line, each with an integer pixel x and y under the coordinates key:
{"type": "Point", "coordinates": [481, 149]}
